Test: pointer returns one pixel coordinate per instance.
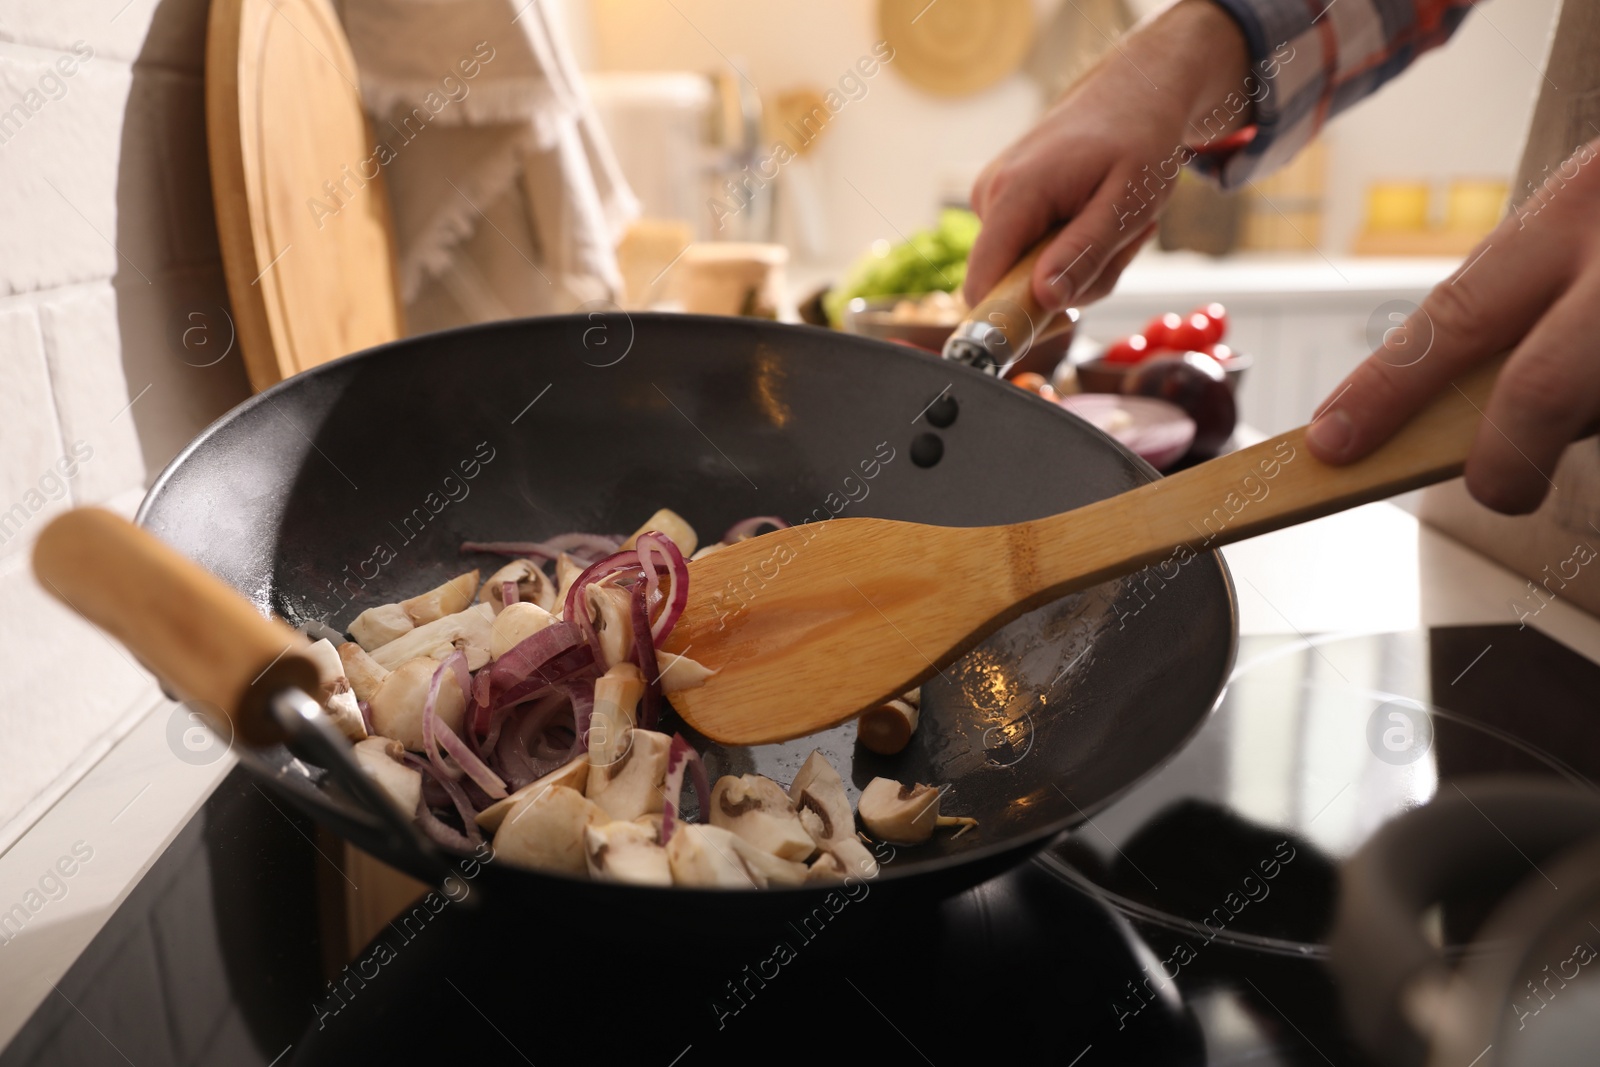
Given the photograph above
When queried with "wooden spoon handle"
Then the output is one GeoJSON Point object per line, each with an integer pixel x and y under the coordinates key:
{"type": "Point", "coordinates": [1255, 490]}
{"type": "Point", "coordinates": [193, 630]}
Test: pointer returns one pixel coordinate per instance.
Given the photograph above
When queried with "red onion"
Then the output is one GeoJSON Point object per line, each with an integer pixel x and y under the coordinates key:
{"type": "Point", "coordinates": [431, 725]}
{"type": "Point", "coordinates": [437, 829]}
{"type": "Point", "coordinates": [482, 717]}
{"type": "Point", "coordinates": [751, 527]}
{"type": "Point", "coordinates": [504, 713]}
{"type": "Point", "coordinates": [581, 694]}
{"type": "Point", "coordinates": [617, 561]}
{"type": "Point", "coordinates": [443, 833]}
{"type": "Point", "coordinates": [508, 593]}
{"type": "Point", "coordinates": [513, 749]}
{"type": "Point", "coordinates": [366, 716]}
{"type": "Point", "coordinates": [573, 664]}
{"type": "Point", "coordinates": [644, 651]}
{"type": "Point", "coordinates": [682, 756]}
{"type": "Point", "coordinates": [677, 595]}
{"type": "Point", "coordinates": [527, 656]}
{"type": "Point", "coordinates": [435, 732]}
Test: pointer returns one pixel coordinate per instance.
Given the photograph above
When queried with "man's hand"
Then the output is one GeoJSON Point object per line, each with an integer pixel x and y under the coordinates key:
{"type": "Point", "coordinates": [1533, 286]}
{"type": "Point", "coordinates": [1105, 158]}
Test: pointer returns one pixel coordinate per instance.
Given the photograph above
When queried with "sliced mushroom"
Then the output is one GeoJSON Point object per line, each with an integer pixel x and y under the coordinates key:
{"type": "Point", "coordinates": [852, 856]}
{"type": "Point", "coordinates": [545, 831]}
{"type": "Point", "coordinates": [632, 783]}
{"type": "Point", "coordinates": [677, 673]}
{"type": "Point", "coordinates": [335, 694]}
{"type": "Point", "coordinates": [442, 600]}
{"type": "Point", "coordinates": [675, 526]}
{"type": "Point", "coordinates": [626, 852]}
{"type": "Point", "coordinates": [887, 728]}
{"type": "Point", "coordinates": [364, 673]}
{"type": "Point", "coordinates": [616, 696]}
{"type": "Point", "coordinates": [757, 809]}
{"type": "Point", "coordinates": [905, 814]}
{"type": "Point", "coordinates": [377, 626]}
{"type": "Point", "coordinates": [380, 758]}
{"type": "Point", "coordinates": [611, 611]}
{"type": "Point", "coordinates": [567, 572]}
{"type": "Point", "coordinates": [533, 587]}
{"type": "Point", "coordinates": [574, 774]}
{"type": "Point", "coordinates": [826, 868]}
{"type": "Point", "coordinates": [704, 855]}
{"type": "Point", "coordinates": [772, 869]}
{"type": "Point", "coordinates": [469, 630]}
{"type": "Point", "coordinates": [824, 807]}
{"type": "Point", "coordinates": [515, 625]}
{"type": "Point", "coordinates": [397, 705]}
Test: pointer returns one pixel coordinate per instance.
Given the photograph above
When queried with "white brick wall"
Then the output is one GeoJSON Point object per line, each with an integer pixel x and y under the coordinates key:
{"type": "Point", "coordinates": [108, 255]}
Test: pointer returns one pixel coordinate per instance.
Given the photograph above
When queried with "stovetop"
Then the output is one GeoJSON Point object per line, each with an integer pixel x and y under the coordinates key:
{"type": "Point", "coordinates": [1183, 924]}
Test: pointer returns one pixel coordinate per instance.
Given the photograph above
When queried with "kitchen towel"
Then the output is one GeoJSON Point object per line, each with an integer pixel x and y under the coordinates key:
{"type": "Point", "coordinates": [506, 196]}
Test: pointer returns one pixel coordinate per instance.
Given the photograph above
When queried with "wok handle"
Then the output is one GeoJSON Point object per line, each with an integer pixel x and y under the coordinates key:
{"type": "Point", "coordinates": [197, 633]}
{"type": "Point", "coordinates": [1008, 321]}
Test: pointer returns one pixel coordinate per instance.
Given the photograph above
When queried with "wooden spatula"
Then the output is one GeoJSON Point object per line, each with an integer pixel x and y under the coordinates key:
{"type": "Point", "coordinates": [807, 626]}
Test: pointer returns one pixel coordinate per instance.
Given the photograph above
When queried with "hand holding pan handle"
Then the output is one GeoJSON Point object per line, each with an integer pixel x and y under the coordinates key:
{"type": "Point", "coordinates": [1388, 973]}
{"type": "Point", "coordinates": [211, 645]}
{"type": "Point", "coordinates": [999, 332]}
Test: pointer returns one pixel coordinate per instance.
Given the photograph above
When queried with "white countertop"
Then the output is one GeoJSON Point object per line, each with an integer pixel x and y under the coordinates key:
{"type": "Point", "coordinates": [1373, 569]}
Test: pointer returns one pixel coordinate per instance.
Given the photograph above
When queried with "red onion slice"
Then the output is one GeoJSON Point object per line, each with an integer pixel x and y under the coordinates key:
{"type": "Point", "coordinates": [431, 724]}
{"type": "Point", "coordinates": [528, 656]}
{"type": "Point", "coordinates": [508, 593]}
{"type": "Point", "coordinates": [752, 528]}
{"type": "Point", "coordinates": [577, 662]}
{"type": "Point", "coordinates": [644, 651]}
{"type": "Point", "coordinates": [680, 757]}
{"type": "Point", "coordinates": [617, 561]}
{"type": "Point", "coordinates": [513, 751]}
{"type": "Point", "coordinates": [432, 825]}
{"type": "Point", "coordinates": [482, 706]}
{"type": "Point", "coordinates": [654, 544]}
{"type": "Point", "coordinates": [581, 694]}
{"type": "Point", "coordinates": [436, 732]}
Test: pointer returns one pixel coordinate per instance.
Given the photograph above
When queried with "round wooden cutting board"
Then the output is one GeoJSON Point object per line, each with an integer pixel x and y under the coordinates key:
{"type": "Point", "coordinates": [297, 180]}
{"type": "Point", "coordinates": [956, 47]}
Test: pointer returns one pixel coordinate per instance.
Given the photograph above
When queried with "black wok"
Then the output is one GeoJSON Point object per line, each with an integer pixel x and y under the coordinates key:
{"type": "Point", "coordinates": [354, 484]}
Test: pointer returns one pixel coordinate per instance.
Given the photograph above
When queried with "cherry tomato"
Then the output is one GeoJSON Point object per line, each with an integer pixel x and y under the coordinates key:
{"type": "Point", "coordinates": [1030, 381]}
{"type": "Point", "coordinates": [1192, 334]}
{"type": "Point", "coordinates": [1217, 317]}
{"type": "Point", "coordinates": [1219, 352]}
{"type": "Point", "coordinates": [1158, 331]}
{"type": "Point", "coordinates": [1128, 350]}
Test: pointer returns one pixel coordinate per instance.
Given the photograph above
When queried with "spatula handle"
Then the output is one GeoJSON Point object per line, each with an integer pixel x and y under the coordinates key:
{"type": "Point", "coordinates": [1255, 490]}
{"type": "Point", "coordinates": [193, 630]}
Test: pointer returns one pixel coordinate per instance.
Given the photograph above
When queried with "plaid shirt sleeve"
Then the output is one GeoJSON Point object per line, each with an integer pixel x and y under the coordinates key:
{"type": "Point", "coordinates": [1311, 59]}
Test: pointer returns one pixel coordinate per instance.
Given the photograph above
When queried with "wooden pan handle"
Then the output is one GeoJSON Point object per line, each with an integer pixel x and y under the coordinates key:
{"type": "Point", "coordinates": [193, 630]}
{"type": "Point", "coordinates": [1011, 308]}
